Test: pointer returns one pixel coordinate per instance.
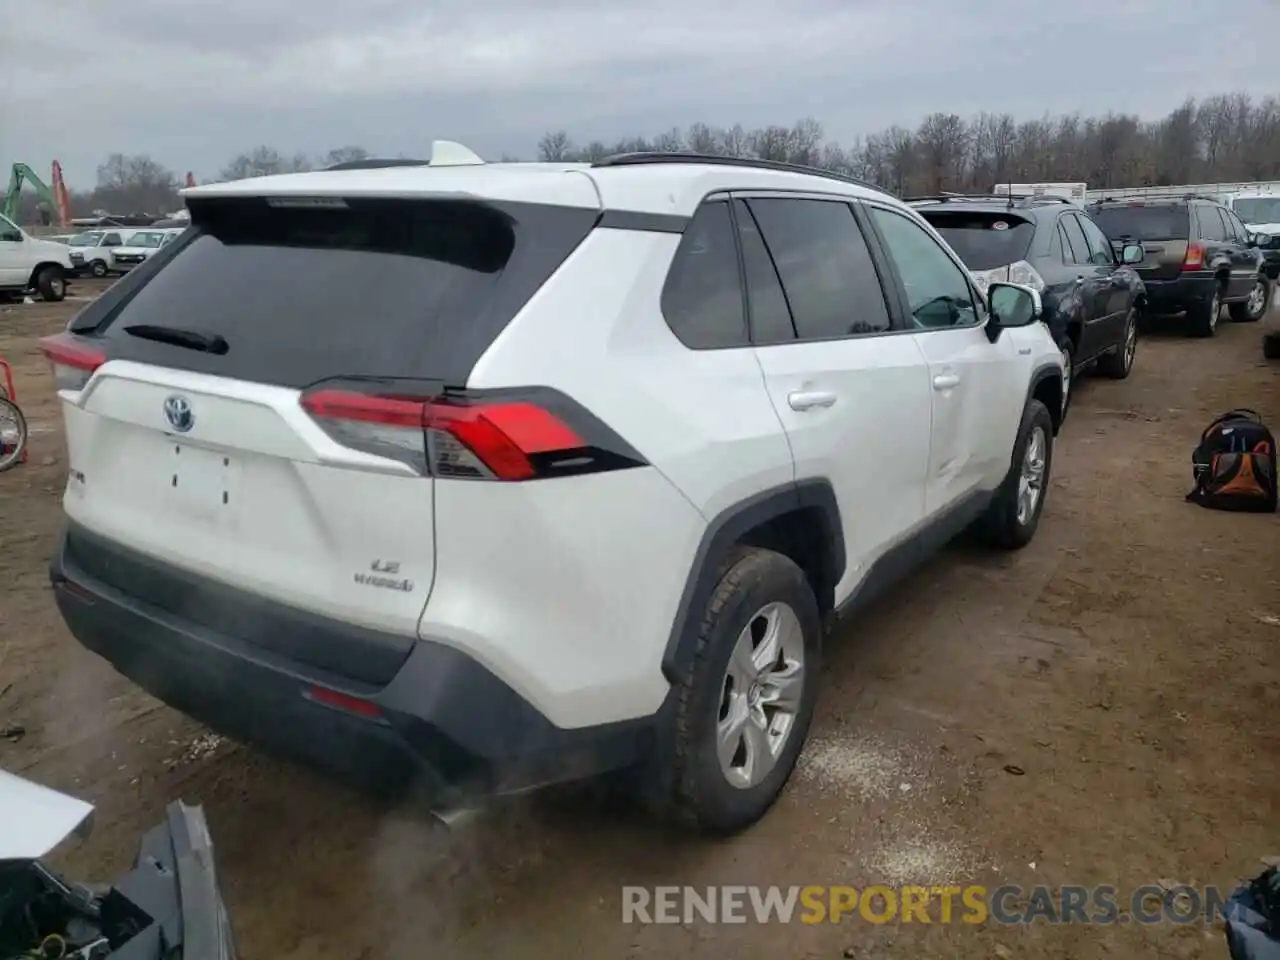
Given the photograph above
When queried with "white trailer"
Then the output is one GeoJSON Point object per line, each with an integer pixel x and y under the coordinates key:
{"type": "Point", "coordinates": [1071, 192]}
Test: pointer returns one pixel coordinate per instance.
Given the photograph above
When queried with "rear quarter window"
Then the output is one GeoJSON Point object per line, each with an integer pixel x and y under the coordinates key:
{"type": "Point", "coordinates": [984, 241]}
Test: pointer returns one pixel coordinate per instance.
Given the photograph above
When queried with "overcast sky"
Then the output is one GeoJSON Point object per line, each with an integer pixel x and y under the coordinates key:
{"type": "Point", "coordinates": [194, 82]}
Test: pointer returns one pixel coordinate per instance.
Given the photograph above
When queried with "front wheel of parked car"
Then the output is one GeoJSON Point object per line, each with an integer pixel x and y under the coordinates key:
{"type": "Point", "coordinates": [1068, 375]}
{"type": "Point", "coordinates": [1119, 364]}
{"type": "Point", "coordinates": [1255, 308]}
{"type": "Point", "coordinates": [98, 269]}
{"type": "Point", "coordinates": [743, 712]}
{"type": "Point", "coordinates": [1202, 318]}
{"type": "Point", "coordinates": [1013, 516]}
{"type": "Point", "coordinates": [51, 284]}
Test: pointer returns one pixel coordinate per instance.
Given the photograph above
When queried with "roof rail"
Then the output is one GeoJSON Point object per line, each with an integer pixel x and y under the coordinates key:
{"type": "Point", "coordinates": [653, 156]}
{"type": "Point", "coordinates": [1016, 199]}
{"type": "Point", "coordinates": [444, 153]}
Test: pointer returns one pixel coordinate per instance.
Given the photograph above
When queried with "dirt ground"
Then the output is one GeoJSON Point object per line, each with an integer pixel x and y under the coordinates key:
{"type": "Point", "coordinates": [1124, 667]}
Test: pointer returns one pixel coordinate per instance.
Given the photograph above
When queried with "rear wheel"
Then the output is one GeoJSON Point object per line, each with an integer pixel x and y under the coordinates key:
{"type": "Point", "coordinates": [1202, 319]}
{"type": "Point", "coordinates": [1271, 346]}
{"type": "Point", "coordinates": [13, 434]}
{"type": "Point", "coordinates": [1118, 365]}
{"type": "Point", "coordinates": [1254, 308]}
{"type": "Point", "coordinates": [744, 711]}
{"type": "Point", "coordinates": [51, 284]}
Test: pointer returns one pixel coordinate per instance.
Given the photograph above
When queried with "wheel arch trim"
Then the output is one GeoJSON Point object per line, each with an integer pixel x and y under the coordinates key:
{"type": "Point", "coordinates": [725, 530]}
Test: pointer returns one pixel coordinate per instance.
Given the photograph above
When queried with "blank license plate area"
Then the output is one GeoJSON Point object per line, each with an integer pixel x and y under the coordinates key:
{"type": "Point", "coordinates": [201, 482]}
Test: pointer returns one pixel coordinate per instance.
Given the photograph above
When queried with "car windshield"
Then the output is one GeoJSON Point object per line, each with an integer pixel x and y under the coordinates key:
{"type": "Point", "coordinates": [89, 239]}
{"type": "Point", "coordinates": [984, 241]}
{"type": "Point", "coordinates": [1257, 209]}
{"type": "Point", "coordinates": [146, 239]}
{"type": "Point", "coordinates": [1140, 222]}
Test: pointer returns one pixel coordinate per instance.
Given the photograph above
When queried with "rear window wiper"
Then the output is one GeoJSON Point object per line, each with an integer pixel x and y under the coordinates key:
{"type": "Point", "coordinates": [180, 337]}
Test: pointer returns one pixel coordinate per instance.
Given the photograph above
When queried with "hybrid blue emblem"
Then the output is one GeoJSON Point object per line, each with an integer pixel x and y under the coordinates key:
{"type": "Point", "coordinates": [177, 410]}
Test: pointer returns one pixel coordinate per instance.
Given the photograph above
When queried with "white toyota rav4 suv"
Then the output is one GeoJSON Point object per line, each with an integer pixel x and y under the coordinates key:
{"type": "Point", "coordinates": [491, 476]}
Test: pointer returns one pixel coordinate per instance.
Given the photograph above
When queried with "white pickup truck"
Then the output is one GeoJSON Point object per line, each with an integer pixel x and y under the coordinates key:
{"type": "Point", "coordinates": [28, 264]}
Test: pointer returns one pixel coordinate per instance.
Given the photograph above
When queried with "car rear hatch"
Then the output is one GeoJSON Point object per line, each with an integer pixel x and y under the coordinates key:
{"type": "Point", "coordinates": [989, 242]}
{"type": "Point", "coordinates": [242, 406]}
{"type": "Point", "coordinates": [1161, 228]}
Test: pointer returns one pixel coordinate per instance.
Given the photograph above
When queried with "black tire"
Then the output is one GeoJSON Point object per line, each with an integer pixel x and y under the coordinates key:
{"type": "Point", "coordinates": [1068, 376]}
{"type": "Point", "coordinates": [51, 284]}
{"type": "Point", "coordinates": [1202, 319]}
{"type": "Point", "coordinates": [1000, 525]}
{"type": "Point", "coordinates": [1241, 312]}
{"type": "Point", "coordinates": [1271, 346]}
{"type": "Point", "coordinates": [691, 787]}
{"type": "Point", "coordinates": [11, 449]}
{"type": "Point", "coordinates": [98, 268]}
{"type": "Point", "coordinates": [1118, 365]}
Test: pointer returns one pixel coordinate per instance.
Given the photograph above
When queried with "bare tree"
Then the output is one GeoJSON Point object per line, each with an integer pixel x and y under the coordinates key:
{"type": "Point", "coordinates": [135, 184]}
{"type": "Point", "coordinates": [555, 147]}
{"type": "Point", "coordinates": [344, 155]}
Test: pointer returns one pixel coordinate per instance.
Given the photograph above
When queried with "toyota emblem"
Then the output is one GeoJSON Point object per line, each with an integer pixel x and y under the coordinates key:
{"type": "Point", "coordinates": [177, 410]}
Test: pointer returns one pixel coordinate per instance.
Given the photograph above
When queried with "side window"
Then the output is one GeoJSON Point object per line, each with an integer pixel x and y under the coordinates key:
{"type": "Point", "coordinates": [1100, 253]}
{"type": "Point", "coordinates": [1211, 225]}
{"type": "Point", "coordinates": [702, 298]}
{"type": "Point", "coordinates": [938, 289]}
{"type": "Point", "coordinates": [112, 240]}
{"type": "Point", "coordinates": [1236, 226]}
{"type": "Point", "coordinates": [770, 314]}
{"type": "Point", "coordinates": [1074, 235]}
{"type": "Point", "coordinates": [825, 267]}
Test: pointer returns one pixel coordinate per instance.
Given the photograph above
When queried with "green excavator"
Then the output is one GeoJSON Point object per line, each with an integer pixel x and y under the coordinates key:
{"type": "Point", "coordinates": [22, 174]}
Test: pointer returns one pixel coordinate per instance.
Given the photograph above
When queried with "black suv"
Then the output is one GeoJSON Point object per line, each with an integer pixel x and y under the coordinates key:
{"type": "Point", "coordinates": [1199, 255]}
{"type": "Point", "coordinates": [1092, 295]}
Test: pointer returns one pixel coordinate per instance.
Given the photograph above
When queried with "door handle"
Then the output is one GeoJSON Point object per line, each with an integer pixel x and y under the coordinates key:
{"type": "Point", "coordinates": [945, 381]}
{"type": "Point", "coordinates": [807, 400]}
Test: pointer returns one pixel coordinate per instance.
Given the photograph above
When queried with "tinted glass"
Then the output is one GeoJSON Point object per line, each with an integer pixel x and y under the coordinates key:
{"type": "Point", "coordinates": [826, 268]}
{"type": "Point", "coordinates": [770, 315]}
{"type": "Point", "coordinates": [702, 299]}
{"type": "Point", "coordinates": [1212, 226]}
{"type": "Point", "coordinates": [1137, 222]}
{"type": "Point", "coordinates": [1076, 241]}
{"type": "Point", "coordinates": [1237, 229]}
{"type": "Point", "coordinates": [938, 290]}
{"type": "Point", "coordinates": [379, 288]}
{"type": "Point", "coordinates": [112, 240]}
{"type": "Point", "coordinates": [984, 241]}
{"type": "Point", "coordinates": [1099, 246]}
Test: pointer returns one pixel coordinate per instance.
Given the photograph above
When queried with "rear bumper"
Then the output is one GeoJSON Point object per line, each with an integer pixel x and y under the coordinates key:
{"type": "Point", "coordinates": [443, 724]}
{"type": "Point", "coordinates": [1180, 293]}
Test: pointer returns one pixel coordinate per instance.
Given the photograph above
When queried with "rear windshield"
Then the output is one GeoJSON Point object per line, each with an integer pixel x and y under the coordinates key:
{"type": "Point", "coordinates": [1142, 222]}
{"type": "Point", "coordinates": [375, 288]}
{"type": "Point", "coordinates": [984, 241]}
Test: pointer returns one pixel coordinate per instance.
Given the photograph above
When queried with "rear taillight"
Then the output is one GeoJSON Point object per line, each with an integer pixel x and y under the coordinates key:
{"type": "Point", "coordinates": [1027, 275]}
{"type": "Point", "coordinates": [73, 362]}
{"type": "Point", "coordinates": [1194, 260]}
{"type": "Point", "coordinates": [472, 437]}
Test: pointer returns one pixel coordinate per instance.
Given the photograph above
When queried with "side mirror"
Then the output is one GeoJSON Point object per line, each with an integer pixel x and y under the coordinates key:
{"type": "Point", "coordinates": [1132, 253]}
{"type": "Point", "coordinates": [1263, 241]}
{"type": "Point", "coordinates": [1012, 305]}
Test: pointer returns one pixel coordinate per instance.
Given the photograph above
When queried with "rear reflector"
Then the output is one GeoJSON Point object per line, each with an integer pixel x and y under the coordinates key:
{"type": "Point", "coordinates": [344, 702]}
{"type": "Point", "coordinates": [510, 437]}
{"type": "Point", "coordinates": [73, 361]}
